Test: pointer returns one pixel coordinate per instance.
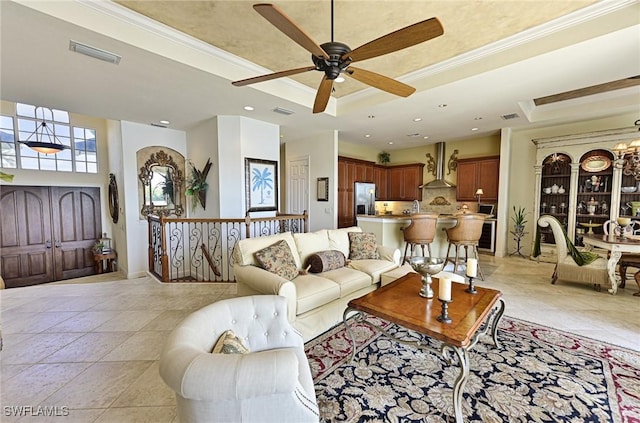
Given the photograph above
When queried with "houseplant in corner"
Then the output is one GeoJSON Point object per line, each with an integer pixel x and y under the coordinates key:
{"type": "Point", "coordinates": [197, 185]}
{"type": "Point", "coordinates": [519, 219]}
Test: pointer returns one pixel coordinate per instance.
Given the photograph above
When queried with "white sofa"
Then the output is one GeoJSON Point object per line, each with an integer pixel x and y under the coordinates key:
{"type": "Point", "coordinates": [315, 301]}
{"type": "Point", "coordinates": [271, 383]}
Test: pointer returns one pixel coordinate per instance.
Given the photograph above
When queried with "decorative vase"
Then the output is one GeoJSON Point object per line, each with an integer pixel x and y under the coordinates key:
{"type": "Point", "coordinates": [561, 189]}
{"type": "Point", "coordinates": [554, 189]}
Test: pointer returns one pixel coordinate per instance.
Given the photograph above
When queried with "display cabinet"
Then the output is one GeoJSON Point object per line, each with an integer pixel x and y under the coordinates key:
{"type": "Point", "coordinates": [580, 179]}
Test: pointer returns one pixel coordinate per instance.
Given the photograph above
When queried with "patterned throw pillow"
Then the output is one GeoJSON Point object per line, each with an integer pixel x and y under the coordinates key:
{"type": "Point", "coordinates": [277, 258]}
{"type": "Point", "coordinates": [362, 246]}
{"type": "Point", "coordinates": [323, 261]}
{"type": "Point", "coordinates": [229, 343]}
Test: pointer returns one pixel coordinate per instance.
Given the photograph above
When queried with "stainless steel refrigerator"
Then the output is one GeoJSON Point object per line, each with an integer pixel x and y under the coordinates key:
{"type": "Point", "coordinates": [365, 198]}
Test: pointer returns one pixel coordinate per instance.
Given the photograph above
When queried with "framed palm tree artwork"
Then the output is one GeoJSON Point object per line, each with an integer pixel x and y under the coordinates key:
{"type": "Point", "coordinates": [261, 184]}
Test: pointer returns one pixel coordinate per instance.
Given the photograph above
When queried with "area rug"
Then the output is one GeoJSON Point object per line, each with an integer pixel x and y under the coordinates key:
{"type": "Point", "coordinates": [537, 374]}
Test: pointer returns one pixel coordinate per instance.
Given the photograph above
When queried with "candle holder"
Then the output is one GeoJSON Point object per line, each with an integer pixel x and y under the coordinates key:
{"type": "Point", "coordinates": [444, 314]}
{"type": "Point", "coordinates": [471, 289]}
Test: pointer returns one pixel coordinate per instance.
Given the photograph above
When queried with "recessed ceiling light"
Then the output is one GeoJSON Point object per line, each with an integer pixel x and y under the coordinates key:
{"type": "Point", "coordinates": [390, 142]}
{"type": "Point", "coordinates": [248, 108]}
{"type": "Point", "coordinates": [426, 137]}
{"type": "Point", "coordinates": [442, 105]}
{"type": "Point", "coordinates": [165, 122]}
{"type": "Point", "coordinates": [339, 79]}
{"type": "Point", "coordinates": [474, 129]}
{"type": "Point", "coordinates": [367, 135]}
{"type": "Point", "coordinates": [417, 119]}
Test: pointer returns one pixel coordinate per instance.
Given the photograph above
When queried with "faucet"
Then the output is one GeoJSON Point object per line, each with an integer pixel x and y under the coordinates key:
{"type": "Point", "coordinates": [416, 207]}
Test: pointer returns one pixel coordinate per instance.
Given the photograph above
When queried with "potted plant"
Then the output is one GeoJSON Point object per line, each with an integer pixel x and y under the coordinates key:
{"type": "Point", "coordinates": [384, 157]}
{"type": "Point", "coordinates": [519, 219]}
{"type": "Point", "coordinates": [197, 185]}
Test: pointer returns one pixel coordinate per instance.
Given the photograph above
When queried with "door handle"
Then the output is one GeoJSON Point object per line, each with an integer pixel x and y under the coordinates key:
{"type": "Point", "coordinates": [47, 243]}
{"type": "Point", "coordinates": [58, 244]}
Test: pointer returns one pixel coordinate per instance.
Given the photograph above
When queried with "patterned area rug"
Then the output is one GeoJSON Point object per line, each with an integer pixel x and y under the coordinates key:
{"type": "Point", "coordinates": [538, 374]}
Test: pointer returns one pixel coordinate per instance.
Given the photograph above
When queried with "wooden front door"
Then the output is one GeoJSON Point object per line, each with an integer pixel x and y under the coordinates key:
{"type": "Point", "coordinates": [46, 233]}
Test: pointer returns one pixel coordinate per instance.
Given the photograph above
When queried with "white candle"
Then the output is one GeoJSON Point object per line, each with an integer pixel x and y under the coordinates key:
{"type": "Point", "coordinates": [472, 267]}
{"type": "Point", "coordinates": [444, 291]}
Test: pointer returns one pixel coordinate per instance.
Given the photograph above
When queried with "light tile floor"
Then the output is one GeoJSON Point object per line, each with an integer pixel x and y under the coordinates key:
{"type": "Point", "coordinates": [92, 344]}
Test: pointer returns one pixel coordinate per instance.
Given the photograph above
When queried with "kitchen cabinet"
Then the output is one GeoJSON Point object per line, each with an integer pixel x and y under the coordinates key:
{"type": "Point", "coordinates": [480, 172]}
{"type": "Point", "coordinates": [380, 179]}
{"type": "Point", "coordinates": [579, 181]}
{"type": "Point", "coordinates": [351, 171]}
{"type": "Point", "coordinates": [403, 182]}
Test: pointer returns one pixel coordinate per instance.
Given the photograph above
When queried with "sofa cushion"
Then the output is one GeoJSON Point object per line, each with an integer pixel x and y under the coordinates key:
{"type": "Point", "coordinates": [311, 242]}
{"type": "Point", "coordinates": [277, 258]}
{"type": "Point", "coordinates": [314, 291]}
{"type": "Point", "coordinates": [339, 239]}
{"type": "Point", "coordinates": [373, 268]}
{"type": "Point", "coordinates": [363, 246]}
{"type": "Point", "coordinates": [244, 251]}
{"type": "Point", "coordinates": [323, 261]}
{"type": "Point", "coordinates": [229, 343]}
{"type": "Point", "coordinates": [349, 280]}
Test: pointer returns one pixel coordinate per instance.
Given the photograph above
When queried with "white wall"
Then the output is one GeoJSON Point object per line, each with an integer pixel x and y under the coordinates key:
{"type": "Point", "coordinates": [322, 151]}
{"type": "Point", "coordinates": [136, 136]}
{"type": "Point", "coordinates": [203, 145]}
{"type": "Point", "coordinates": [240, 138]}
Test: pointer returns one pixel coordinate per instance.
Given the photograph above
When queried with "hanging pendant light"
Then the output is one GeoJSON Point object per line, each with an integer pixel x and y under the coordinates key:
{"type": "Point", "coordinates": [39, 143]}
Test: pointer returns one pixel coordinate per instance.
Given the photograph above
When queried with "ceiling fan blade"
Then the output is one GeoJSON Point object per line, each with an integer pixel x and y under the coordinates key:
{"type": "Point", "coordinates": [323, 95]}
{"type": "Point", "coordinates": [281, 21]}
{"type": "Point", "coordinates": [270, 76]}
{"type": "Point", "coordinates": [380, 81]}
{"type": "Point", "coordinates": [398, 40]}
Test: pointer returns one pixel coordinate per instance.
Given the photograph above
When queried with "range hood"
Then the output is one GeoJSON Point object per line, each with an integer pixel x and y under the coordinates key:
{"type": "Point", "coordinates": [439, 181]}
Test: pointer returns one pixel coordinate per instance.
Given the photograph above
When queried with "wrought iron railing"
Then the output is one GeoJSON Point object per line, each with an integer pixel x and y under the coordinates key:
{"type": "Point", "coordinates": [201, 250]}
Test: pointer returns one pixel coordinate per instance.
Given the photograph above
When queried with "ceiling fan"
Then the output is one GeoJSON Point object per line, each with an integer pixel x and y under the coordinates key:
{"type": "Point", "coordinates": [334, 58]}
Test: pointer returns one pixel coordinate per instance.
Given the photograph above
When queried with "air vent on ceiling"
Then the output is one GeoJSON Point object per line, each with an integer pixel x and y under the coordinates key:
{"type": "Point", "coordinates": [510, 116]}
{"type": "Point", "coordinates": [283, 111]}
{"type": "Point", "coordinates": [94, 52]}
{"type": "Point", "coordinates": [159, 125]}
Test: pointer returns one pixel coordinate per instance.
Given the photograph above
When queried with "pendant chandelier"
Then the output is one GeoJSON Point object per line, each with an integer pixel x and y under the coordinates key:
{"type": "Point", "coordinates": [43, 140]}
{"type": "Point", "coordinates": [629, 156]}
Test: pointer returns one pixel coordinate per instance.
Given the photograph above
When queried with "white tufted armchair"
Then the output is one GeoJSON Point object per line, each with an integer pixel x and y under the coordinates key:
{"type": "Point", "coordinates": [272, 383]}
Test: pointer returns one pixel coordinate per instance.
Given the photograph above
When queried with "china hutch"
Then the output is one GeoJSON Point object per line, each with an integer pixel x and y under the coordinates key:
{"type": "Point", "coordinates": [585, 180]}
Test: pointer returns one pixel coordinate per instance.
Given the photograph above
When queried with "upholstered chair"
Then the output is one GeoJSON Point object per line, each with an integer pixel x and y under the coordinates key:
{"type": "Point", "coordinates": [420, 231]}
{"type": "Point", "coordinates": [270, 383]}
{"type": "Point", "coordinates": [594, 273]}
{"type": "Point", "coordinates": [466, 233]}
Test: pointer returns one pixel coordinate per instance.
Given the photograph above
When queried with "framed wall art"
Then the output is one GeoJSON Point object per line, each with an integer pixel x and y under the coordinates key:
{"type": "Point", "coordinates": [261, 184]}
{"type": "Point", "coordinates": [322, 189]}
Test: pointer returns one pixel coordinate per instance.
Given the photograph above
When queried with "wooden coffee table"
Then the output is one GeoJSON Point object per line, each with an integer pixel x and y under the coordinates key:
{"type": "Point", "coordinates": [472, 315]}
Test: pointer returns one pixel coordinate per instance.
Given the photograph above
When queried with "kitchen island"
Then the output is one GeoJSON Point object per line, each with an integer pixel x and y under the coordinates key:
{"type": "Point", "coordinates": [387, 229]}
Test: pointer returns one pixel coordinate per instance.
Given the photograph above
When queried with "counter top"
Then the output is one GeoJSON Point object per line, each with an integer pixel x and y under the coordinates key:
{"type": "Point", "coordinates": [407, 217]}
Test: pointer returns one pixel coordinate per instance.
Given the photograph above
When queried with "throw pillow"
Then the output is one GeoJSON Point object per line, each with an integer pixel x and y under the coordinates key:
{"type": "Point", "coordinates": [277, 258]}
{"type": "Point", "coordinates": [362, 246]}
{"type": "Point", "coordinates": [229, 343]}
{"type": "Point", "coordinates": [323, 261]}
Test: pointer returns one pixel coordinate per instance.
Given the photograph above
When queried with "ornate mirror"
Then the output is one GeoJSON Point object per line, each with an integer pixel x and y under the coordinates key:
{"type": "Point", "coordinates": [114, 206]}
{"type": "Point", "coordinates": [162, 180]}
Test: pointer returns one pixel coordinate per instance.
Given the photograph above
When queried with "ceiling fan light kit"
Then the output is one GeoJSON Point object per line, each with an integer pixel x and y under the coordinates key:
{"type": "Point", "coordinates": [334, 58]}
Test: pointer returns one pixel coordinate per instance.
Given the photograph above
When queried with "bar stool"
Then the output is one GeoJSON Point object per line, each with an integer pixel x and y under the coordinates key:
{"type": "Point", "coordinates": [420, 231]}
{"type": "Point", "coordinates": [466, 233]}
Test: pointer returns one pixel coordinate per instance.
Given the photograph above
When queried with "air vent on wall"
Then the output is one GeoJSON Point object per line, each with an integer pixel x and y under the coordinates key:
{"type": "Point", "coordinates": [510, 116]}
{"type": "Point", "coordinates": [94, 52]}
{"type": "Point", "coordinates": [283, 111]}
